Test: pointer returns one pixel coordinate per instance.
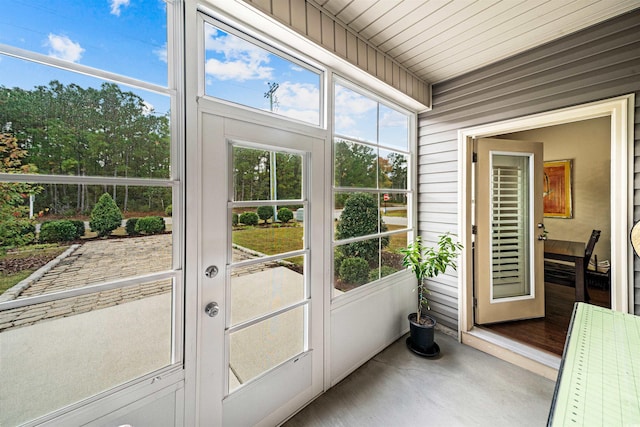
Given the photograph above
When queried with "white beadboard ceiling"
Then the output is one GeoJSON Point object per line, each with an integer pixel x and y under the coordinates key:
{"type": "Point", "coordinates": [440, 39]}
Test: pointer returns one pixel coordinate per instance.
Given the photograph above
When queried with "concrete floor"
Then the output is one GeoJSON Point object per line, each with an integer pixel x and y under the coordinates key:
{"type": "Point", "coordinates": [463, 387]}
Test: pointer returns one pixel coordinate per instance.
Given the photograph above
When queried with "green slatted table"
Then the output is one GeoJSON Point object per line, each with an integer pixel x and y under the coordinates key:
{"type": "Point", "coordinates": [599, 378]}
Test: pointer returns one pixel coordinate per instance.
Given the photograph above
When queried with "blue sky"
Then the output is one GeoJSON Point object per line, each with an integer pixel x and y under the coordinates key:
{"type": "Point", "coordinates": [240, 72]}
{"type": "Point", "coordinates": [127, 37]}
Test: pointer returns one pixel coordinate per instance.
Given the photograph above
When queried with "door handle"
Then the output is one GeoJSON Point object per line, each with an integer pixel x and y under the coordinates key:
{"type": "Point", "coordinates": [212, 309]}
{"type": "Point", "coordinates": [542, 237]}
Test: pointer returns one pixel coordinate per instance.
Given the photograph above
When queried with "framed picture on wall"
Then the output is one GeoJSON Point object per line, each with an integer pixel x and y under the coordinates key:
{"type": "Point", "coordinates": [557, 189]}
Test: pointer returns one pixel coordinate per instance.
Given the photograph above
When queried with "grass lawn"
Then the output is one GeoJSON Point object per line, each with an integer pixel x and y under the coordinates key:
{"type": "Point", "coordinates": [271, 240]}
{"type": "Point", "coordinates": [400, 214]}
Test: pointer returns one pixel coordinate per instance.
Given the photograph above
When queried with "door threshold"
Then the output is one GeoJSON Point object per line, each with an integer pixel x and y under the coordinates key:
{"type": "Point", "coordinates": [522, 355]}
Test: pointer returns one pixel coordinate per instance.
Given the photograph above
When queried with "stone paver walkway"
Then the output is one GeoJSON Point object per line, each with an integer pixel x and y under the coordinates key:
{"type": "Point", "coordinates": [95, 262]}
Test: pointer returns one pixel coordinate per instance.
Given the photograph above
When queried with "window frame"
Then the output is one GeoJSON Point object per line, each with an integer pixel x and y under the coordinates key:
{"type": "Point", "coordinates": [208, 17]}
{"type": "Point", "coordinates": [410, 189]}
{"type": "Point", "coordinates": [173, 372]}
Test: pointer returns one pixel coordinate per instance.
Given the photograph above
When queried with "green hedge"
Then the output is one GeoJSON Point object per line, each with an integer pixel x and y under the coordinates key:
{"type": "Point", "coordinates": [285, 214]}
{"type": "Point", "coordinates": [354, 270]}
{"type": "Point", "coordinates": [79, 225]}
{"type": "Point", "coordinates": [249, 218]}
{"type": "Point", "coordinates": [58, 231]}
{"type": "Point", "coordinates": [130, 227]}
{"type": "Point", "coordinates": [150, 225]}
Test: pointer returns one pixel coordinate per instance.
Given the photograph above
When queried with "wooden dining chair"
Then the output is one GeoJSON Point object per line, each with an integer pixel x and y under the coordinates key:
{"type": "Point", "coordinates": [564, 274]}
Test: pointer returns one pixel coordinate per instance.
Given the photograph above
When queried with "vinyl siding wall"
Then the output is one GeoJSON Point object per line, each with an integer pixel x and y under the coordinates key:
{"type": "Point", "coordinates": [598, 63]}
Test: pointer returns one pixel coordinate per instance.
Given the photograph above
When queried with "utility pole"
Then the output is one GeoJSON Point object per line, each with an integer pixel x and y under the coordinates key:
{"type": "Point", "coordinates": [273, 101]}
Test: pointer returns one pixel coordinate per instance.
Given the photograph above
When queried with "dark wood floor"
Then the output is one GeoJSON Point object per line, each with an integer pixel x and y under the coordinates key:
{"type": "Point", "coordinates": [549, 333]}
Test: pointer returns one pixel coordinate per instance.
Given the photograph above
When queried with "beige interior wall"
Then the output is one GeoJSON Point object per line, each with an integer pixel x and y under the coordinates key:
{"type": "Point", "coordinates": [587, 144]}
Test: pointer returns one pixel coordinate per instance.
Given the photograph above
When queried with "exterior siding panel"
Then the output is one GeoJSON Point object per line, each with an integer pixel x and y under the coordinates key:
{"type": "Point", "coordinates": [597, 63]}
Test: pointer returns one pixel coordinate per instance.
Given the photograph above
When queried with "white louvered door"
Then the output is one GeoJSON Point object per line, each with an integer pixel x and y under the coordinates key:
{"type": "Point", "coordinates": [509, 282]}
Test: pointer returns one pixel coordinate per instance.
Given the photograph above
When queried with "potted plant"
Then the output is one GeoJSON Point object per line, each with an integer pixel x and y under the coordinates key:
{"type": "Point", "coordinates": [427, 262]}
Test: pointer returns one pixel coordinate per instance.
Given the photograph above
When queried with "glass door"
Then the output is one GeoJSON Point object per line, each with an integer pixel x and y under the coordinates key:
{"type": "Point", "coordinates": [271, 306]}
{"type": "Point", "coordinates": [509, 255]}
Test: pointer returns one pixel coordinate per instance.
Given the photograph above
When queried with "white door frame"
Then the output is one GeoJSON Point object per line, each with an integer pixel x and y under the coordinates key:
{"type": "Point", "coordinates": [620, 110]}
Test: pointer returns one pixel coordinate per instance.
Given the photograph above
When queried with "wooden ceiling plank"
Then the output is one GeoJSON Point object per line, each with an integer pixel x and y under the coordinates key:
{"type": "Point", "coordinates": [508, 43]}
{"type": "Point", "coordinates": [475, 33]}
{"type": "Point", "coordinates": [353, 10]}
{"type": "Point", "coordinates": [459, 17]}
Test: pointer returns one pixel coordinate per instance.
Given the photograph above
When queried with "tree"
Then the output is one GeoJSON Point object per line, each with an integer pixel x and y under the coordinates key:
{"type": "Point", "coordinates": [265, 213]}
{"type": "Point", "coordinates": [15, 227]}
{"type": "Point", "coordinates": [355, 165]}
{"type": "Point", "coordinates": [105, 131]}
{"type": "Point", "coordinates": [105, 216]}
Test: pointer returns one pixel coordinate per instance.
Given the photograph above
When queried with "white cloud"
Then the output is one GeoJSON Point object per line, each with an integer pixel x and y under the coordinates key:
{"type": "Point", "coordinates": [352, 103]}
{"type": "Point", "coordinates": [117, 5]}
{"type": "Point", "coordinates": [392, 118]}
{"type": "Point", "coordinates": [147, 108]}
{"type": "Point", "coordinates": [161, 53]}
{"type": "Point", "coordinates": [236, 70]}
{"type": "Point", "coordinates": [298, 95]}
{"type": "Point", "coordinates": [238, 59]}
{"type": "Point", "coordinates": [63, 48]}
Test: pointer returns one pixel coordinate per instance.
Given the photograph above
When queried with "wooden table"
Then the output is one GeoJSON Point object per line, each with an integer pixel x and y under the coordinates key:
{"type": "Point", "coordinates": [600, 370]}
{"type": "Point", "coordinates": [565, 250]}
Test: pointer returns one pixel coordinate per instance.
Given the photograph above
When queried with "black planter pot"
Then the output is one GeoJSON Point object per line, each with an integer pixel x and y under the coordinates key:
{"type": "Point", "coordinates": [420, 340]}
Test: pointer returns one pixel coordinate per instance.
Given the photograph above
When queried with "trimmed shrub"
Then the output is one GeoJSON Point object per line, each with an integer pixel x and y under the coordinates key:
{"type": "Point", "coordinates": [354, 270]}
{"type": "Point", "coordinates": [285, 215]}
{"type": "Point", "coordinates": [249, 218]}
{"type": "Point", "coordinates": [150, 225]}
{"type": "Point", "coordinates": [265, 213]}
{"type": "Point", "coordinates": [359, 218]}
{"type": "Point", "coordinates": [130, 227]}
{"type": "Point", "coordinates": [169, 210]}
{"type": "Point", "coordinates": [105, 216]}
{"type": "Point", "coordinates": [79, 225]}
{"type": "Point", "coordinates": [17, 232]}
{"type": "Point", "coordinates": [234, 219]}
{"type": "Point", "coordinates": [57, 231]}
{"type": "Point", "coordinates": [382, 272]}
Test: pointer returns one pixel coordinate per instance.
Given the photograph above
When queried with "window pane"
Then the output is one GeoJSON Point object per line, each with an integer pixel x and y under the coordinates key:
{"type": "Point", "coordinates": [394, 128]}
{"type": "Point", "coordinates": [70, 124]}
{"type": "Point", "coordinates": [264, 237]}
{"type": "Point", "coordinates": [390, 257]}
{"type": "Point", "coordinates": [392, 172]}
{"type": "Point", "coordinates": [357, 263]}
{"type": "Point", "coordinates": [77, 347]}
{"type": "Point", "coordinates": [510, 222]}
{"type": "Point", "coordinates": [356, 116]}
{"type": "Point", "coordinates": [60, 248]}
{"type": "Point", "coordinates": [106, 35]}
{"type": "Point", "coordinates": [265, 345]}
{"type": "Point", "coordinates": [393, 210]}
{"type": "Point", "coordinates": [354, 165]}
{"type": "Point", "coordinates": [356, 214]}
{"type": "Point", "coordinates": [242, 72]}
{"type": "Point", "coordinates": [260, 289]}
{"type": "Point", "coordinates": [252, 178]}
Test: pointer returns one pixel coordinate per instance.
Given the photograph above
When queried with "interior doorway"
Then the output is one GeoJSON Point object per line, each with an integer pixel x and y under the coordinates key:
{"type": "Point", "coordinates": [584, 147]}
{"type": "Point", "coordinates": [616, 113]}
